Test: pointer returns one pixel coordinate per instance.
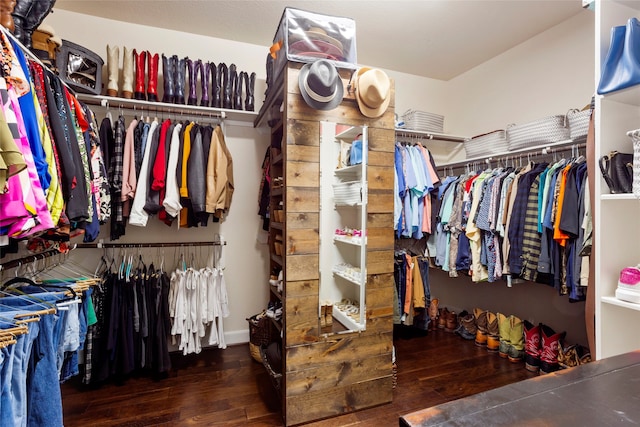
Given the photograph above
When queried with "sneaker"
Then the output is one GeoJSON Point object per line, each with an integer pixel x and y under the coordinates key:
{"type": "Point", "coordinates": [629, 285]}
{"type": "Point", "coordinates": [274, 310]}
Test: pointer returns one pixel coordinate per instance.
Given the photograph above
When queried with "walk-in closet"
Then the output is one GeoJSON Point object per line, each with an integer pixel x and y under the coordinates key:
{"type": "Point", "coordinates": [319, 213]}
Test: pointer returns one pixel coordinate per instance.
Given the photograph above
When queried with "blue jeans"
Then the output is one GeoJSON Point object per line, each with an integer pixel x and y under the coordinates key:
{"type": "Point", "coordinates": [39, 379]}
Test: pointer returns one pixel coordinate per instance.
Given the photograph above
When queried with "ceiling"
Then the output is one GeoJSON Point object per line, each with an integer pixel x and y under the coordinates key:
{"type": "Point", "coordinates": [440, 39]}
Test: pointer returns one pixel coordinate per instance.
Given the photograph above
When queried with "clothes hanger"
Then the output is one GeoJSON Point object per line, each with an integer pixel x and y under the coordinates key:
{"type": "Point", "coordinates": [47, 308]}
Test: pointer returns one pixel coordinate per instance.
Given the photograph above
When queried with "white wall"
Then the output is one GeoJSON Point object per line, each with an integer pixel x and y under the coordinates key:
{"type": "Point", "coordinates": [548, 74]}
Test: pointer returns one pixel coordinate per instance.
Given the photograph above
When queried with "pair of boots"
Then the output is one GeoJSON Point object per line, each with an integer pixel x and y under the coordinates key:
{"type": "Point", "coordinates": [541, 348]}
{"type": "Point", "coordinates": [448, 320]}
{"type": "Point", "coordinates": [174, 71]}
{"type": "Point", "coordinates": [511, 330]}
{"type": "Point", "coordinates": [487, 331]}
{"type": "Point", "coordinates": [467, 328]}
{"type": "Point", "coordinates": [230, 83]}
{"type": "Point", "coordinates": [326, 314]}
{"type": "Point", "coordinates": [27, 16]}
{"type": "Point", "coordinates": [132, 59]}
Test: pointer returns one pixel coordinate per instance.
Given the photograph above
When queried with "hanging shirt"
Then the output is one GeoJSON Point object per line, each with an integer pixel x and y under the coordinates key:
{"type": "Point", "coordinates": [138, 215]}
{"type": "Point", "coordinates": [171, 201]}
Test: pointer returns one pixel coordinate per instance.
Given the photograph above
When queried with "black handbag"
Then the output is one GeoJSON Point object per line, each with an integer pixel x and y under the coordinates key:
{"type": "Point", "coordinates": [617, 170]}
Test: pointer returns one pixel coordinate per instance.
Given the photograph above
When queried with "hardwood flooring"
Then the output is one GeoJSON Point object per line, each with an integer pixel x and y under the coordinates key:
{"type": "Point", "coordinates": [227, 387]}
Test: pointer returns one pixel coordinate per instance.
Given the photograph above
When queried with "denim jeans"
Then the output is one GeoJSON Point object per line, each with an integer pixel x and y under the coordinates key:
{"type": "Point", "coordinates": [423, 263]}
{"type": "Point", "coordinates": [70, 367]}
{"type": "Point", "coordinates": [6, 371]}
{"type": "Point", "coordinates": [44, 400]}
{"type": "Point", "coordinates": [39, 380]}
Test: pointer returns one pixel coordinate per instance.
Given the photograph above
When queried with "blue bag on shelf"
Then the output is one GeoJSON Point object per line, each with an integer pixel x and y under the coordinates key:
{"type": "Point", "coordinates": [621, 67]}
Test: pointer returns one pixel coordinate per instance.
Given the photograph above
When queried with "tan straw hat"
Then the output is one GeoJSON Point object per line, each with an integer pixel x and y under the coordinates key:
{"type": "Point", "coordinates": [373, 91]}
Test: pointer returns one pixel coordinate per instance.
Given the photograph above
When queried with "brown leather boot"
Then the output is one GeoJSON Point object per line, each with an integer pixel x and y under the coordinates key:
{"type": "Point", "coordinates": [481, 323]}
{"type": "Point", "coordinates": [442, 318]}
{"type": "Point", "coordinates": [493, 333]}
{"type": "Point", "coordinates": [467, 328]}
{"type": "Point", "coordinates": [433, 314]}
{"type": "Point", "coordinates": [451, 322]}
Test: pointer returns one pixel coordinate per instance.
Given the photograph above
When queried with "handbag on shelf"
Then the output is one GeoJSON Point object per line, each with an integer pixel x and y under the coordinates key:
{"type": "Point", "coordinates": [617, 170]}
{"type": "Point", "coordinates": [621, 67]}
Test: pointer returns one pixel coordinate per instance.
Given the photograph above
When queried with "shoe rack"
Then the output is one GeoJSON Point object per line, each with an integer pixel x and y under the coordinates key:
{"type": "Point", "coordinates": [616, 225]}
{"type": "Point", "coordinates": [343, 201]}
{"type": "Point", "coordinates": [328, 369]}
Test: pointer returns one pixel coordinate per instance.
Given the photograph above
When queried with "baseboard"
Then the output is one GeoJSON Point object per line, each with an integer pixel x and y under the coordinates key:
{"type": "Point", "coordinates": [237, 337]}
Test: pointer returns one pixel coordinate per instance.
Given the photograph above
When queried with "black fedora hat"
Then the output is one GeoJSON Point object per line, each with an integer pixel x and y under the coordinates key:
{"type": "Point", "coordinates": [321, 85]}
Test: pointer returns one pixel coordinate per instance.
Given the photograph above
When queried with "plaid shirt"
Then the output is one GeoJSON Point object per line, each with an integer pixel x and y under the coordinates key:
{"type": "Point", "coordinates": [115, 179]}
{"type": "Point", "coordinates": [518, 215]}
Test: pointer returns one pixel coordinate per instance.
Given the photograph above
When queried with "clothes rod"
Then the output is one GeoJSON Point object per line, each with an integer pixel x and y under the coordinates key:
{"type": "Point", "coordinates": [27, 259]}
{"type": "Point", "coordinates": [155, 107]}
{"type": "Point", "coordinates": [542, 149]}
{"type": "Point", "coordinates": [101, 245]}
{"type": "Point", "coordinates": [409, 135]}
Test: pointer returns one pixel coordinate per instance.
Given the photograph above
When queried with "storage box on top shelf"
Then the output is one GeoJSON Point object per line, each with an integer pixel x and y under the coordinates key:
{"type": "Point", "coordinates": [304, 36]}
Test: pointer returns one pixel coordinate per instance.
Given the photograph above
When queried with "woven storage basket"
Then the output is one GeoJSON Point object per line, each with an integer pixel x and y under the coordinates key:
{"type": "Point", "coordinates": [261, 332]}
{"type": "Point", "coordinates": [255, 352]}
{"type": "Point", "coordinates": [489, 143]}
{"type": "Point", "coordinates": [276, 378]}
{"type": "Point", "coordinates": [578, 123]}
{"type": "Point", "coordinates": [542, 131]}
{"type": "Point", "coordinates": [423, 121]}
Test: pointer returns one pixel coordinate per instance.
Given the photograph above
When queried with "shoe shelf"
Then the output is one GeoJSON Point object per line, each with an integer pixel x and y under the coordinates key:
{"type": "Point", "coordinates": [277, 259]}
{"type": "Point", "coordinates": [344, 223]}
{"type": "Point", "coordinates": [624, 196]}
{"type": "Point", "coordinates": [615, 301]}
{"type": "Point", "coordinates": [628, 96]}
{"type": "Point", "coordinates": [349, 322]}
{"type": "Point", "coordinates": [274, 291]}
{"type": "Point", "coordinates": [353, 278]}
{"type": "Point", "coordinates": [349, 173]}
{"type": "Point", "coordinates": [239, 116]}
{"type": "Point", "coordinates": [355, 241]}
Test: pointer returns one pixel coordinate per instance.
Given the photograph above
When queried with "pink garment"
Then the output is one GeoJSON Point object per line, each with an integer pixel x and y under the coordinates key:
{"type": "Point", "coordinates": [13, 212]}
{"type": "Point", "coordinates": [426, 213]}
{"type": "Point", "coordinates": [129, 181]}
{"type": "Point", "coordinates": [36, 197]}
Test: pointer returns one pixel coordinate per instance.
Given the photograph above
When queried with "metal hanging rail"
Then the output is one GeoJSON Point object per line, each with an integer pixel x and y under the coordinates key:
{"type": "Point", "coordinates": [101, 245]}
{"type": "Point", "coordinates": [29, 258]}
{"type": "Point", "coordinates": [408, 134]}
{"type": "Point", "coordinates": [240, 116]}
{"type": "Point", "coordinates": [542, 149]}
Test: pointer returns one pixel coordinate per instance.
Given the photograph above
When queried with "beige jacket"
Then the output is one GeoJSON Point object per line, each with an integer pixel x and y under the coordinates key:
{"type": "Point", "coordinates": [219, 175]}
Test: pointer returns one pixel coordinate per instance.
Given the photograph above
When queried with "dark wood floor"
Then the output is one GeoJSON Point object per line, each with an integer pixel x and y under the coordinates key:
{"type": "Point", "coordinates": [226, 387]}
